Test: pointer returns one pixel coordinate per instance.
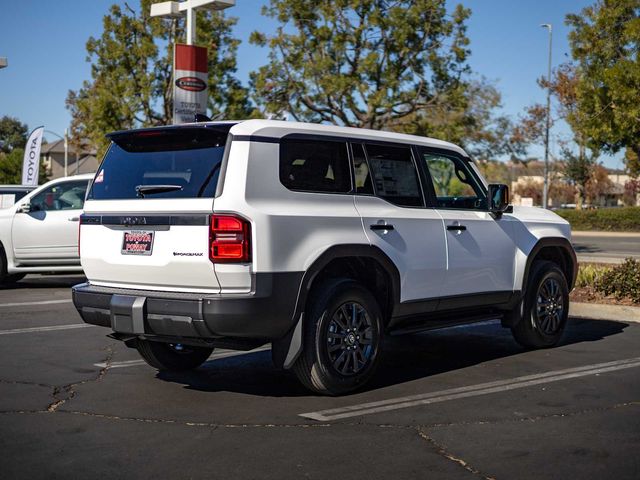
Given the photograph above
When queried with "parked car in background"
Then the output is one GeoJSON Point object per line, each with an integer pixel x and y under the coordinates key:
{"type": "Point", "coordinates": [39, 233]}
{"type": "Point", "coordinates": [10, 194]}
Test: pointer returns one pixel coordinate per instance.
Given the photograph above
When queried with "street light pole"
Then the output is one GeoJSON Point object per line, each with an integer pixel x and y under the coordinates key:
{"type": "Point", "coordinates": [188, 8]}
{"type": "Point", "coordinates": [545, 192]}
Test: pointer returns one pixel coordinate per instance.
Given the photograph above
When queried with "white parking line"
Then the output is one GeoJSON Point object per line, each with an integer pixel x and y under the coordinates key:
{"type": "Point", "coordinates": [44, 329]}
{"type": "Point", "coordinates": [216, 355]}
{"type": "Point", "coordinates": [26, 304]}
{"type": "Point", "coordinates": [469, 391]}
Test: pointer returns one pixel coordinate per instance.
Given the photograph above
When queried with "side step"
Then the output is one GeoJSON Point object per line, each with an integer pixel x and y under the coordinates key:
{"type": "Point", "coordinates": [425, 324]}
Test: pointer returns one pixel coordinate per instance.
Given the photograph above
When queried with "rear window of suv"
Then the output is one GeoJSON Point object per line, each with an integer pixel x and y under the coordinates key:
{"type": "Point", "coordinates": [179, 162]}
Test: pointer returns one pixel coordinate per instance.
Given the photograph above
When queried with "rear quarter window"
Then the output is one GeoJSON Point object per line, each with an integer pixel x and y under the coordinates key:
{"type": "Point", "coordinates": [315, 166]}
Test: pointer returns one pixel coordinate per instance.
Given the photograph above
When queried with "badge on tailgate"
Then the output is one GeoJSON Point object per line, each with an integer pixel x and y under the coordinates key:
{"type": "Point", "coordinates": [137, 242]}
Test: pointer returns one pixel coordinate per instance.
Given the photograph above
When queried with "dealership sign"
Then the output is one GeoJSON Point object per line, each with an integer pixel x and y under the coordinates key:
{"type": "Point", "coordinates": [190, 83]}
{"type": "Point", "coordinates": [31, 160]}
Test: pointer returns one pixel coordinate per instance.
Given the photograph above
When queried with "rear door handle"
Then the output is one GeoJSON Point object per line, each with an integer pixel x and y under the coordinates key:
{"type": "Point", "coordinates": [381, 226]}
{"type": "Point", "coordinates": [456, 227]}
{"type": "Point", "coordinates": [73, 219]}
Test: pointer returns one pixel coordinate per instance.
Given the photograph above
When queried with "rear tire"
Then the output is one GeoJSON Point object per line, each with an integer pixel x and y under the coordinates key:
{"type": "Point", "coordinates": [545, 307]}
{"type": "Point", "coordinates": [342, 338]}
{"type": "Point", "coordinates": [171, 356]}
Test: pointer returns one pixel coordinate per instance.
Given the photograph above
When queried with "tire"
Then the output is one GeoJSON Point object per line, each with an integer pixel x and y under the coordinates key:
{"type": "Point", "coordinates": [545, 307]}
{"type": "Point", "coordinates": [172, 357]}
{"type": "Point", "coordinates": [13, 278]}
{"type": "Point", "coordinates": [340, 350]}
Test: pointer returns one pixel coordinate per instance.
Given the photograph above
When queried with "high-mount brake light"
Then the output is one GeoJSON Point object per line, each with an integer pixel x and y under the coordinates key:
{"type": "Point", "coordinates": [229, 239]}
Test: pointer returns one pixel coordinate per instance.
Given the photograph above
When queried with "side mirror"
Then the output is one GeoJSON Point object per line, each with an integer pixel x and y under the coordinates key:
{"type": "Point", "coordinates": [24, 208]}
{"type": "Point", "coordinates": [498, 198]}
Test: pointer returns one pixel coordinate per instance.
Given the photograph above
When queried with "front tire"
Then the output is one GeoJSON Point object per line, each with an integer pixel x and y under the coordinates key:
{"type": "Point", "coordinates": [171, 356]}
{"type": "Point", "coordinates": [545, 307]}
{"type": "Point", "coordinates": [342, 338]}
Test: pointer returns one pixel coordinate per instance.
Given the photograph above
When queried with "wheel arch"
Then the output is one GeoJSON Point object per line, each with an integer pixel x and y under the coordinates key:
{"type": "Point", "coordinates": [557, 250]}
{"type": "Point", "coordinates": [357, 262]}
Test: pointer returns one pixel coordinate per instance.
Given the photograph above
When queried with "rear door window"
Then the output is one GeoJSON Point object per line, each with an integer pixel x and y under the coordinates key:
{"type": "Point", "coordinates": [315, 166]}
{"type": "Point", "coordinates": [172, 163]}
{"type": "Point", "coordinates": [395, 177]}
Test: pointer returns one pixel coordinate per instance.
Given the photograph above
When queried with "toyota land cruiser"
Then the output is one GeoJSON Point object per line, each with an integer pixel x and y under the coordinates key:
{"type": "Point", "coordinates": [319, 240]}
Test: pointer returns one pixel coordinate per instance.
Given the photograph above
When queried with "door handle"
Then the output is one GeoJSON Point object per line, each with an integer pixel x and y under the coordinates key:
{"type": "Point", "coordinates": [456, 227]}
{"type": "Point", "coordinates": [381, 226]}
{"type": "Point", "coordinates": [73, 219]}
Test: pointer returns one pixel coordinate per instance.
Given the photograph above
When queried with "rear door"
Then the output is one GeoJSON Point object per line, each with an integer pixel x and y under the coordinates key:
{"type": "Point", "coordinates": [48, 233]}
{"type": "Point", "coordinates": [481, 247]}
{"type": "Point", "coordinates": [390, 200]}
{"type": "Point", "coordinates": [146, 223]}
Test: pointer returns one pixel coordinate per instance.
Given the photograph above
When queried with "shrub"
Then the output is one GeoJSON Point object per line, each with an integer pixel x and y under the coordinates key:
{"type": "Point", "coordinates": [621, 281]}
{"type": "Point", "coordinates": [620, 219]}
{"type": "Point", "coordinates": [589, 275]}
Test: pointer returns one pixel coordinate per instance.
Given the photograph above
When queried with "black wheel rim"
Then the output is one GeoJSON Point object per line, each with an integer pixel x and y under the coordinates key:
{"type": "Point", "coordinates": [350, 339]}
{"type": "Point", "coordinates": [549, 307]}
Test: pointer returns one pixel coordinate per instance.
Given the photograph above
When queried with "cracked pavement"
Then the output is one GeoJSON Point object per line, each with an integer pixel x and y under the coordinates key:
{"type": "Point", "coordinates": [238, 417]}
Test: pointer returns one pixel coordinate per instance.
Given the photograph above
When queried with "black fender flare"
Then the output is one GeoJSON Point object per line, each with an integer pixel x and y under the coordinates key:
{"type": "Point", "coordinates": [569, 255]}
{"type": "Point", "coordinates": [286, 350]}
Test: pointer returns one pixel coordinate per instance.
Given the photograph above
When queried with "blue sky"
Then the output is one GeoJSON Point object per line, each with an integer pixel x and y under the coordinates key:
{"type": "Point", "coordinates": [45, 45]}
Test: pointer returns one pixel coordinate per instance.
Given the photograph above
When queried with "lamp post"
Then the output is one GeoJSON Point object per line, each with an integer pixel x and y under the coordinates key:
{"type": "Point", "coordinates": [545, 191]}
{"type": "Point", "coordinates": [188, 8]}
{"type": "Point", "coordinates": [66, 146]}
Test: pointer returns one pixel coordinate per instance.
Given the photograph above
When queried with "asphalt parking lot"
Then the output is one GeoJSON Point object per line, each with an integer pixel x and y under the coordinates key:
{"type": "Point", "coordinates": [465, 402]}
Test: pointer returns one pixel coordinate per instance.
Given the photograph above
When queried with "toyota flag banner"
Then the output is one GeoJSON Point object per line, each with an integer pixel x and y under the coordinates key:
{"type": "Point", "coordinates": [31, 162]}
{"type": "Point", "coordinates": [190, 83]}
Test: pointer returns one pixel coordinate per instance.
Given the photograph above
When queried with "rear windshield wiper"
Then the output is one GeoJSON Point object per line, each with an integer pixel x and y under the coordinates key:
{"type": "Point", "coordinates": [142, 190]}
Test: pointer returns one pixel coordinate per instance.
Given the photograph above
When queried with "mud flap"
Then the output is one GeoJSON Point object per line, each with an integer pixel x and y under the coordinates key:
{"type": "Point", "coordinates": [286, 350]}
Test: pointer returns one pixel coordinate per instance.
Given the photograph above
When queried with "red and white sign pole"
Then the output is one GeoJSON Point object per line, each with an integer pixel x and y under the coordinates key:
{"type": "Point", "coordinates": [190, 82]}
{"type": "Point", "coordinates": [190, 62]}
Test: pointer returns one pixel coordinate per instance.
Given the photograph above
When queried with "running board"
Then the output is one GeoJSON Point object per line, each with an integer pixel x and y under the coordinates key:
{"type": "Point", "coordinates": [434, 324]}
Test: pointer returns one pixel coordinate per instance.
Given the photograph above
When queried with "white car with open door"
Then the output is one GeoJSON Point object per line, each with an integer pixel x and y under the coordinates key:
{"type": "Point", "coordinates": [39, 234]}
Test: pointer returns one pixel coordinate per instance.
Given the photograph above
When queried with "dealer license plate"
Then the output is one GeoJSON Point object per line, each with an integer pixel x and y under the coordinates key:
{"type": "Point", "coordinates": [137, 242]}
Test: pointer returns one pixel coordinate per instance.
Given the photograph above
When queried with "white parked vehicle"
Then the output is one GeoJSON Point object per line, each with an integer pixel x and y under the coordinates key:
{"type": "Point", "coordinates": [317, 239]}
{"type": "Point", "coordinates": [39, 233]}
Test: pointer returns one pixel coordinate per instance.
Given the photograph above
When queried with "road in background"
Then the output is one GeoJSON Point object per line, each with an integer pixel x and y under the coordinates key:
{"type": "Point", "coordinates": [460, 403]}
{"type": "Point", "coordinates": [606, 247]}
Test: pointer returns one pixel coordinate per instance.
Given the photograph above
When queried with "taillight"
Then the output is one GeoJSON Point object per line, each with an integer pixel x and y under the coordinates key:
{"type": "Point", "coordinates": [229, 239]}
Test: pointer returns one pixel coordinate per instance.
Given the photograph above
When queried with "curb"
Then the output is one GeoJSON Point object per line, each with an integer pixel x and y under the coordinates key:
{"type": "Point", "coordinates": [600, 233]}
{"type": "Point", "coordinates": [598, 311]}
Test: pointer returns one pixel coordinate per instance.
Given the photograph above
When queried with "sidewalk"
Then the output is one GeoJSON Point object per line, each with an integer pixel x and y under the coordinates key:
{"type": "Point", "coordinates": [585, 233]}
{"type": "Point", "coordinates": [597, 311]}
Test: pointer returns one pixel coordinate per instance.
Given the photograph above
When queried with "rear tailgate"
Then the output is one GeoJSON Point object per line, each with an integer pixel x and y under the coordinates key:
{"type": "Point", "coordinates": [146, 220]}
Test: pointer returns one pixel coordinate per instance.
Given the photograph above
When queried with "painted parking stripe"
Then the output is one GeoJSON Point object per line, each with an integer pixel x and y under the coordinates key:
{"type": "Point", "coordinates": [469, 391]}
{"type": "Point", "coordinates": [27, 304]}
{"type": "Point", "coordinates": [44, 329]}
{"type": "Point", "coordinates": [220, 354]}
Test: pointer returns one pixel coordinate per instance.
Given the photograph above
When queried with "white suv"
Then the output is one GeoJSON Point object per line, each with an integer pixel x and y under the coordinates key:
{"type": "Point", "coordinates": [39, 234]}
{"type": "Point", "coordinates": [317, 239]}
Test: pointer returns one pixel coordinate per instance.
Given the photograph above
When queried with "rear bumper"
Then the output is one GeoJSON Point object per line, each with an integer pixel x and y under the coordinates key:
{"type": "Point", "coordinates": [266, 313]}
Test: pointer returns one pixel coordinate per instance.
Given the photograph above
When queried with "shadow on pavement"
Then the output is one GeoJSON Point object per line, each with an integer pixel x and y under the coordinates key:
{"type": "Point", "coordinates": [45, 281]}
{"type": "Point", "coordinates": [405, 359]}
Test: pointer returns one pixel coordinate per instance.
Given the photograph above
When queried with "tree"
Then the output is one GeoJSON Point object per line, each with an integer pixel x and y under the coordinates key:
{"type": "Point", "coordinates": [469, 119]}
{"type": "Point", "coordinates": [361, 63]}
{"type": "Point", "coordinates": [11, 167]}
{"type": "Point", "coordinates": [604, 41]}
{"type": "Point", "coordinates": [132, 67]}
{"type": "Point", "coordinates": [579, 170]}
{"type": "Point", "coordinates": [13, 134]}
{"type": "Point", "coordinates": [632, 163]}
{"type": "Point", "coordinates": [599, 184]}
